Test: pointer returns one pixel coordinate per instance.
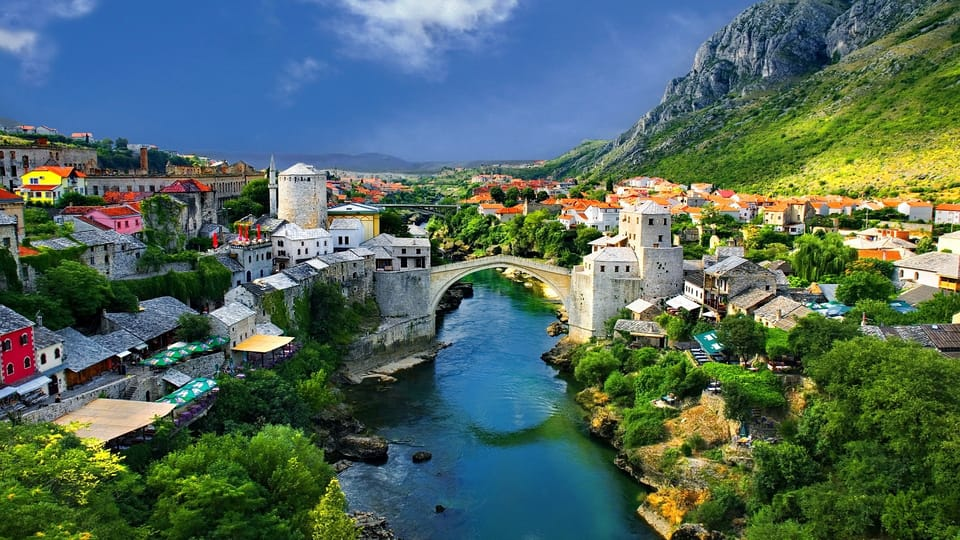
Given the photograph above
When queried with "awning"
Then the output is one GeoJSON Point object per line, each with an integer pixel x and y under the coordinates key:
{"type": "Point", "coordinates": [30, 386]}
{"type": "Point", "coordinates": [7, 391]}
{"type": "Point", "coordinates": [262, 344]}
{"type": "Point", "coordinates": [123, 355]}
{"type": "Point", "coordinates": [111, 418]}
{"type": "Point", "coordinates": [190, 391]}
{"type": "Point", "coordinates": [639, 305]}
{"type": "Point", "coordinates": [682, 302]}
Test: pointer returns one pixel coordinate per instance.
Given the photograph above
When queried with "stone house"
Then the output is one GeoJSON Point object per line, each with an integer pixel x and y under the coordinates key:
{"type": "Point", "coordinates": [934, 269]}
{"type": "Point", "coordinates": [84, 358]}
{"type": "Point", "coordinates": [782, 313]}
{"type": "Point", "coordinates": [49, 352]}
{"type": "Point", "coordinates": [731, 277]}
{"type": "Point", "coordinates": [308, 244]}
{"type": "Point", "coordinates": [393, 253]}
{"type": "Point", "coordinates": [112, 254]}
{"type": "Point", "coordinates": [235, 321]}
{"type": "Point", "coordinates": [346, 233]}
{"type": "Point", "coordinates": [155, 323]}
{"type": "Point", "coordinates": [18, 159]}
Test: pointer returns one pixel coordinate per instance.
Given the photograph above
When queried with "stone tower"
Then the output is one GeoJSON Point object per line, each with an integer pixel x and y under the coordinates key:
{"type": "Point", "coordinates": [272, 185]}
{"type": "Point", "coordinates": [302, 196]}
{"type": "Point", "coordinates": [648, 267]}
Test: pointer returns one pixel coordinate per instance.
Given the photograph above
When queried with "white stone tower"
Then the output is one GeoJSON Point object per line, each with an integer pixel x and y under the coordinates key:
{"type": "Point", "coordinates": [302, 196]}
{"type": "Point", "coordinates": [272, 185]}
{"type": "Point", "coordinates": [647, 227]}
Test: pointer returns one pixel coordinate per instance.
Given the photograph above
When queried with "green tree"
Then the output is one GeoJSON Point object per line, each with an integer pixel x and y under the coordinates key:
{"type": "Point", "coordinates": [741, 335]}
{"type": "Point", "coordinates": [193, 327]}
{"type": "Point", "coordinates": [258, 191]}
{"type": "Point", "coordinates": [497, 194]}
{"type": "Point", "coordinates": [242, 206]}
{"type": "Point", "coordinates": [819, 257]}
{"type": "Point", "coordinates": [815, 334]}
{"type": "Point", "coordinates": [79, 288]}
{"type": "Point", "coordinates": [391, 222]}
{"type": "Point", "coordinates": [329, 520]}
{"type": "Point", "coordinates": [528, 194]}
{"type": "Point", "coordinates": [594, 368]}
{"type": "Point", "coordinates": [864, 286]}
{"type": "Point", "coordinates": [925, 245]}
{"type": "Point", "coordinates": [161, 222]}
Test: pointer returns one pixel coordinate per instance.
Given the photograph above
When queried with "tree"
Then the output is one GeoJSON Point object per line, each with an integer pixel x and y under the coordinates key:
{"type": "Point", "coordinates": [528, 194]}
{"type": "Point", "coordinates": [742, 335]}
{"type": "Point", "coordinates": [864, 286]}
{"type": "Point", "coordinates": [816, 334]}
{"type": "Point", "coordinates": [329, 520]}
{"type": "Point", "coordinates": [391, 222]}
{"type": "Point", "coordinates": [193, 327]}
{"type": "Point", "coordinates": [542, 196]}
{"type": "Point", "coordinates": [594, 368]}
{"type": "Point", "coordinates": [121, 144]}
{"type": "Point", "coordinates": [925, 245]}
{"type": "Point", "coordinates": [79, 288]}
{"type": "Point", "coordinates": [161, 222]}
{"type": "Point", "coordinates": [497, 194]}
{"type": "Point", "coordinates": [257, 191]}
{"type": "Point", "coordinates": [818, 257]}
{"type": "Point", "coordinates": [241, 207]}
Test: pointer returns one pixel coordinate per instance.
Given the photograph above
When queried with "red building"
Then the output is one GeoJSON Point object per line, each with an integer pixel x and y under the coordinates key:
{"type": "Point", "coordinates": [16, 347]}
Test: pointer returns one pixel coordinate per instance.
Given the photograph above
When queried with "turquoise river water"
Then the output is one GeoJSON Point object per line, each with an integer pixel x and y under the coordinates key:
{"type": "Point", "coordinates": [511, 454]}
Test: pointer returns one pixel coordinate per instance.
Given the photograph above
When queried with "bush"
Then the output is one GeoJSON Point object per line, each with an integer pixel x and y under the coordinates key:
{"type": "Point", "coordinates": [643, 425]}
{"type": "Point", "coordinates": [620, 388]}
{"type": "Point", "coordinates": [719, 511]}
{"type": "Point", "coordinates": [595, 367]}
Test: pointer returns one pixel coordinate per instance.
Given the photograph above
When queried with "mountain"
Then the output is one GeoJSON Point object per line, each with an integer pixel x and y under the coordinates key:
{"type": "Point", "coordinates": [368, 162]}
{"type": "Point", "coordinates": [806, 95]}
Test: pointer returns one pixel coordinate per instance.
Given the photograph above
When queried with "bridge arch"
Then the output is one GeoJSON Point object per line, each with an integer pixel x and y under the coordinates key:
{"type": "Point", "coordinates": [442, 277]}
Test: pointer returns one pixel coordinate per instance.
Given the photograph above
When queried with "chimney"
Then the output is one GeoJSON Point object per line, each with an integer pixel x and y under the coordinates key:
{"type": "Point", "coordinates": [143, 159]}
{"type": "Point", "coordinates": [779, 314]}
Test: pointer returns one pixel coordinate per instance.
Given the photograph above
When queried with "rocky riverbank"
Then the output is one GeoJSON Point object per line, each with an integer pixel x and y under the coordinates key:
{"type": "Point", "coordinates": [675, 488]}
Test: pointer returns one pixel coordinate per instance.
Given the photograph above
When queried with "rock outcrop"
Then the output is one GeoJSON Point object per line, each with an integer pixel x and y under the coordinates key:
{"type": "Point", "coordinates": [368, 448]}
{"type": "Point", "coordinates": [372, 526]}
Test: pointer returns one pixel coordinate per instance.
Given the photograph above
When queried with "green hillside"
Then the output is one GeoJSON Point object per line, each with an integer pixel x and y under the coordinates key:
{"type": "Point", "coordinates": [883, 120]}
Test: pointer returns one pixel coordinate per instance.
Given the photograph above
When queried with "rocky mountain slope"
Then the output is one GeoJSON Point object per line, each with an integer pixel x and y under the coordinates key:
{"type": "Point", "coordinates": [822, 95]}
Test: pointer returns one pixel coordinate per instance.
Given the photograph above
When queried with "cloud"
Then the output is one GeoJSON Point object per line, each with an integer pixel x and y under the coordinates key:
{"type": "Point", "coordinates": [23, 21]}
{"type": "Point", "coordinates": [296, 75]}
{"type": "Point", "coordinates": [414, 33]}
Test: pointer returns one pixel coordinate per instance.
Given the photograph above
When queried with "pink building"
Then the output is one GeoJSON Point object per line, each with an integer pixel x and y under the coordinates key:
{"type": "Point", "coordinates": [123, 218]}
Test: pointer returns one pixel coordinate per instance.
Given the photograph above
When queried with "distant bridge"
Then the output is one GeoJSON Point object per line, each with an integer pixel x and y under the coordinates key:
{"type": "Point", "coordinates": [442, 277]}
{"type": "Point", "coordinates": [434, 209]}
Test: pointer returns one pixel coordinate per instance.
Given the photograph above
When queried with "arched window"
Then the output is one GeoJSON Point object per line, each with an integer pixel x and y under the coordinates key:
{"type": "Point", "coordinates": [9, 369]}
{"type": "Point", "coordinates": [24, 339]}
{"type": "Point", "coordinates": [56, 352]}
{"type": "Point", "coordinates": [7, 345]}
{"type": "Point", "coordinates": [43, 358]}
{"type": "Point", "coordinates": [27, 362]}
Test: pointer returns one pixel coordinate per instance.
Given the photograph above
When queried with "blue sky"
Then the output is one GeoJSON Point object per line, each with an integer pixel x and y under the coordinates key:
{"type": "Point", "coordinates": [418, 79]}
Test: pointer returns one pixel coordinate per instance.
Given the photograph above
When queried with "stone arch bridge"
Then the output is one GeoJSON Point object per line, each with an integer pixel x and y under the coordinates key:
{"type": "Point", "coordinates": [442, 277]}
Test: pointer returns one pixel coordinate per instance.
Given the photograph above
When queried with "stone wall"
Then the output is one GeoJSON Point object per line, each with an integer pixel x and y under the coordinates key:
{"type": "Point", "coordinates": [394, 337]}
{"type": "Point", "coordinates": [403, 294]}
{"type": "Point", "coordinates": [662, 271]}
{"type": "Point", "coordinates": [596, 297]}
{"type": "Point", "coordinates": [53, 411]}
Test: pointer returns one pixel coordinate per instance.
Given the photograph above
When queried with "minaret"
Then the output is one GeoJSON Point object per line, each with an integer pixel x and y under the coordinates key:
{"type": "Point", "coordinates": [272, 185]}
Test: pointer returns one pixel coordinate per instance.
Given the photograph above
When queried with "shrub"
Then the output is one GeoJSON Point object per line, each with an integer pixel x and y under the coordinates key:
{"type": "Point", "coordinates": [595, 367]}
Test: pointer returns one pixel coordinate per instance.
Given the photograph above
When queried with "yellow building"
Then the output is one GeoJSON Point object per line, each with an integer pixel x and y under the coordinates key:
{"type": "Point", "coordinates": [45, 185]}
{"type": "Point", "coordinates": [369, 217]}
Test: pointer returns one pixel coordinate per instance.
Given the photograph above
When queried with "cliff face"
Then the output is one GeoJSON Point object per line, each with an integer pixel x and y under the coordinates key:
{"type": "Point", "coordinates": [772, 45]}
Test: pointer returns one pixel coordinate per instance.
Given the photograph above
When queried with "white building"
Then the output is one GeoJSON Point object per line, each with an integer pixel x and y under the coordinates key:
{"type": "Point", "coordinates": [48, 355]}
{"type": "Point", "coordinates": [603, 217]}
{"type": "Point", "coordinates": [292, 244]}
{"type": "Point", "coordinates": [234, 321]}
{"type": "Point", "coordinates": [949, 241]}
{"type": "Point", "coordinates": [346, 233]}
{"type": "Point", "coordinates": [935, 269]}
{"type": "Point", "coordinates": [947, 213]}
{"type": "Point", "coordinates": [302, 196]}
{"type": "Point", "coordinates": [916, 210]}
{"type": "Point", "coordinates": [393, 253]}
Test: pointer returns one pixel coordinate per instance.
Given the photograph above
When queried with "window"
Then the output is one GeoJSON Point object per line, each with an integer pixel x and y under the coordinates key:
{"type": "Point", "coordinates": [7, 345]}
{"type": "Point", "coordinates": [280, 243]}
{"type": "Point", "coordinates": [659, 238]}
{"type": "Point", "coordinates": [616, 268]}
{"type": "Point", "coordinates": [43, 359]}
{"type": "Point", "coordinates": [602, 268]}
{"type": "Point", "coordinates": [650, 221]}
{"type": "Point", "coordinates": [56, 352]}
{"type": "Point", "coordinates": [664, 221]}
{"type": "Point", "coordinates": [9, 369]}
{"type": "Point", "coordinates": [27, 362]}
{"type": "Point", "coordinates": [403, 251]}
{"type": "Point", "coordinates": [24, 339]}
{"type": "Point", "coordinates": [628, 269]}
{"type": "Point", "coordinates": [418, 251]}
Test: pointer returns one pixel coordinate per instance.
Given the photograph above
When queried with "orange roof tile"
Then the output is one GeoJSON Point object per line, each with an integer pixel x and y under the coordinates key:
{"type": "Point", "coordinates": [45, 187]}
{"type": "Point", "coordinates": [119, 211]}
{"type": "Point", "coordinates": [948, 208]}
{"type": "Point", "coordinates": [27, 252]}
{"type": "Point", "coordinates": [62, 172]}
{"type": "Point", "coordinates": [6, 196]}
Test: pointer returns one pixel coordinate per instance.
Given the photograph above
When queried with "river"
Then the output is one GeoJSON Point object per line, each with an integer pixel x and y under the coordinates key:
{"type": "Point", "coordinates": [511, 454]}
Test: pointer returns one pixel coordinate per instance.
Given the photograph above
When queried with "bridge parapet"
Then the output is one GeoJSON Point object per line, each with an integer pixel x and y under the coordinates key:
{"type": "Point", "coordinates": [442, 277]}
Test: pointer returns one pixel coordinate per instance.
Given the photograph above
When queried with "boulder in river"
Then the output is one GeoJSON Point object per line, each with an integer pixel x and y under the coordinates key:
{"type": "Point", "coordinates": [372, 526]}
{"type": "Point", "coordinates": [369, 448]}
{"type": "Point", "coordinates": [421, 456]}
{"type": "Point", "coordinates": [695, 531]}
{"type": "Point", "coordinates": [556, 328]}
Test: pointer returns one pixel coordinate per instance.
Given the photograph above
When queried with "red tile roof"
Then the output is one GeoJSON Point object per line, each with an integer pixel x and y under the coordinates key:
{"type": "Point", "coordinates": [27, 252]}
{"type": "Point", "coordinates": [8, 197]}
{"type": "Point", "coordinates": [948, 208]}
{"type": "Point", "coordinates": [62, 172]}
{"type": "Point", "coordinates": [118, 211]}
{"type": "Point", "coordinates": [189, 185]}
{"type": "Point", "coordinates": [39, 187]}
{"type": "Point", "coordinates": [78, 210]}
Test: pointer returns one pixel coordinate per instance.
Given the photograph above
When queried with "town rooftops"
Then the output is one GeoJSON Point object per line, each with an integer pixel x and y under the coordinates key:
{"type": "Point", "coordinates": [940, 263]}
{"type": "Point", "coordinates": [943, 337]}
{"type": "Point", "coordinates": [649, 208]}
{"type": "Point", "coordinates": [782, 312]}
{"type": "Point", "coordinates": [389, 240]}
{"type": "Point", "coordinates": [62, 172]}
{"type": "Point", "coordinates": [230, 263]}
{"type": "Point", "coordinates": [340, 256]}
{"type": "Point", "coordinates": [642, 328]}
{"type": "Point", "coordinates": [918, 294]}
{"type": "Point", "coordinates": [351, 224]}
{"type": "Point", "coordinates": [293, 231]}
{"type": "Point", "coordinates": [56, 243]}
{"type": "Point", "coordinates": [118, 342]}
{"type": "Point", "coordinates": [727, 265]}
{"type": "Point", "coordinates": [613, 254]}
{"type": "Point", "coordinates": [301, 272]}
{"type": "Point", "coordinates": [7, 197]}
{"type": "Point", "coordinates": [81, 352]}
{"type": "Point", "coordinates": [188, 185]}
{"type": "Point", "coordinates": [43, 337]}
{"type": "Point", "coordinates": [353, 208]}
{"type": "Point", "coordinates": [232, 313]}
{"type": "Point", "coordinates": [156, 317]}
{"type": "Point", "coordinates": [119, 211]}
{"type": "Point", "coordinates": [751, 298]}
{"type": "Point", "coordinates": [11, 321]}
